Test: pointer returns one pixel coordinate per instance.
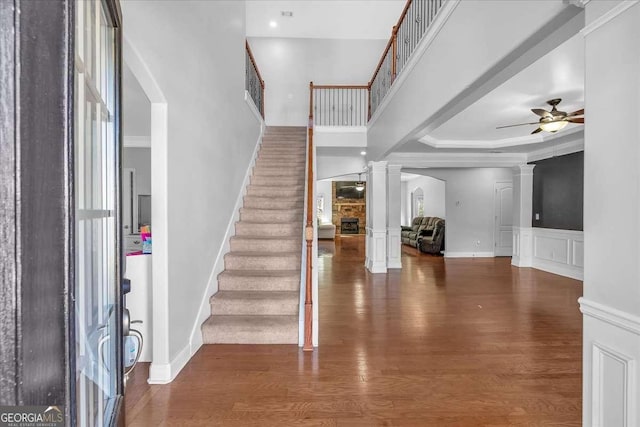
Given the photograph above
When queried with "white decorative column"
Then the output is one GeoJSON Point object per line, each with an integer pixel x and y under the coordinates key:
{"type": "Point", "coordinates": [611, 302]}
{"type": "Point", "coordinates": [394, 213]}
{"type": "Point", "coordinates": [377, 218]}
{"type": "Point", "coordinates": [522, 212]}
{"type": "Point", "coordinates": [367, 230]}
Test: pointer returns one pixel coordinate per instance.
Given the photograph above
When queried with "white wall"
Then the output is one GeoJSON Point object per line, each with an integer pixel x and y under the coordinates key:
{"type": "Point", "coordinates": [136, 108]}
{"type": "Point", "coordinates": [405, 207]}
{"type": "Point", "coordinates": [140, 160]}
{"type": "Point", "coordinates": [325, 188]}
{"type": "Point", "coordinates": [340, 137]}
{"type": "Point", "coordinates": [434, 196]}
{"type": "Point", "coordinates": [287, 65]}
{"type": "Point", "coordinates": [469, 205]}
{"type": "Point", "coordinates": [611, 302]}
{"type": "Point", "coordinates": [332, 166]}
{"type": "Point", "coordinates": [212, 134]}
{"type": "Point", "coordinates": [353, 19]}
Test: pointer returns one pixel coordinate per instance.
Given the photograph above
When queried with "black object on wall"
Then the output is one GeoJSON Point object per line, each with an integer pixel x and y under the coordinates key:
{"type": "Point", "coordinates": [558, 192]}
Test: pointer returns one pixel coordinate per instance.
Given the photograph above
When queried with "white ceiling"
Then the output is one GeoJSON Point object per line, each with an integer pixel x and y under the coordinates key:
{"type": "Point", "coordinates": [558, 74]}
{"type": "Point", "coordinates": [325, 19]}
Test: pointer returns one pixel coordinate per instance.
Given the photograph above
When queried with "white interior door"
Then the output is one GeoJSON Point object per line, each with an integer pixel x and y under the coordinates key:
{"type": "Point", "coordinates": [503, 219]}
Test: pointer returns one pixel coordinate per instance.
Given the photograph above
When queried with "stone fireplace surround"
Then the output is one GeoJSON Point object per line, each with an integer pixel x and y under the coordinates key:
{"type": "Point", "coordinates": [348, 208]}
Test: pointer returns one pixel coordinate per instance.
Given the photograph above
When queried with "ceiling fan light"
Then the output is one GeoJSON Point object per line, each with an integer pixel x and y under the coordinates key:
{"type": "Point", "coordinates": [553, 126]}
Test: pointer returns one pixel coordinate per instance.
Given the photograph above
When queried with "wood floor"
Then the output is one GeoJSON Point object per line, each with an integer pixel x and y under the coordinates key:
{"type": "Point", "coordinates": [455, 342]}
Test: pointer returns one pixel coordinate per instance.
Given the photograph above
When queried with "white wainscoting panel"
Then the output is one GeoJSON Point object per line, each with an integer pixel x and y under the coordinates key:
{"type": "Point", "coordinates": [610, 372]}
{"type": "Point", "coordinates": [522, 246]}
{"type": "Point", "coordinates": [394, 251]}
{"type": "Point", "coordinates": [557, 251]}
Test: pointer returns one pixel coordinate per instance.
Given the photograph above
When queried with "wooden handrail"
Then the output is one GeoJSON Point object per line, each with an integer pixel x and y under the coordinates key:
{"type": "Point", "coordinates": [384, 55]}
{"type": "Point", "coordinates": [253, 61]}
{"type": "Point", "coordinates": [255, 68]}
{"type": "Point", "coordinates": [340, 86]}
{"type": "Point", "coordinates": [403, 15]}
{"type": "Point", "coordinates": [308, 298]}
{"type": "Point", "coordinates": [392, 43]}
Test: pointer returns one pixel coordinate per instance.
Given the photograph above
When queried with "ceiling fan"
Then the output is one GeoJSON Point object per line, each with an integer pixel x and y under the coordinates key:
{"type": "Point", "coordinates": [554, 120]}
{"type": "Point", "coordinates": [358, 185]}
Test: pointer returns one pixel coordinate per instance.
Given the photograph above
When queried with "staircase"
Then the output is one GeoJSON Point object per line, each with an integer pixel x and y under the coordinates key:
{"type": "Point", "coordinates": [259, 289]}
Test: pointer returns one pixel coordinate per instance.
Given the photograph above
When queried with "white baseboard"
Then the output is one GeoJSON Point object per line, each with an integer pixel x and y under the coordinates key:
{"type": "Point", "coordinates": [165, 373]}
{"type": "Point", "coordinates": [378, 268]}
{"type": "Point", "coordinates": [611, 353]}
{"type": "Point", "coordinates": [565, 270]}
{"type": "Point", "coordinates": [449, 254]}
{"type": "Point", "coordinates": [195, 341]}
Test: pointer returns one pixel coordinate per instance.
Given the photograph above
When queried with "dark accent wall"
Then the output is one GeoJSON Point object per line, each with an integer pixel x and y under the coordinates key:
{"type": "Point", "coordinates": [558, 192]}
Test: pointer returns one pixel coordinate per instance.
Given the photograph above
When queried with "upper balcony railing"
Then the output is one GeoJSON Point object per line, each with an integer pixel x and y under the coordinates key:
{"type": "Point", "coordinates": [253, 82]}
{"type": "Point", "coordinates": [340, 105]}
{"type": "Point", "coordinates": [417, 16]}
{"type": "Point", "coordinates": [353, 105]}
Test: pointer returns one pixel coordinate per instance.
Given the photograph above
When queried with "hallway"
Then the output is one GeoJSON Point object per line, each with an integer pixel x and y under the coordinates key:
{"type": "Point", "coordinates": [455, 342]}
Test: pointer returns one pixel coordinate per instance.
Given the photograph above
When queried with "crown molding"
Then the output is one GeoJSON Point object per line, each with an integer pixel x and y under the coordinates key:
{"type": "Point", "coordinates": [457, 160]}
{"type": "Point", "coordinates": [556, 150]}
{"type": "Point", "coordinates": [498, 143]}
{"type": "Point", "coordinates": [611, 14]}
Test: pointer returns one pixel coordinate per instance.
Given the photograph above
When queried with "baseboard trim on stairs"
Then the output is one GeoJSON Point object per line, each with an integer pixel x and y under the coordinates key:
{"type": "Point", "coordinates": [196, 341]}
{"type": "Point", "coordinates": [165, 373]}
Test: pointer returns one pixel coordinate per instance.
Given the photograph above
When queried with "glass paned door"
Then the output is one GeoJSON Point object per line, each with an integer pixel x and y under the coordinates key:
{"type": "Point", "coordinates": [98, 334]}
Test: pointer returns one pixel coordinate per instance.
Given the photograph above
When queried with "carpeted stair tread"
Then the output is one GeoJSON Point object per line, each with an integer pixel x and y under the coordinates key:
{"type": "Point", "coordinates": [261, 260]}
{"type": "Point", "coordinates": [270, 215]}
{"type": "Point", "coordinates": [259, 280]}
{"type": "Point", "coordinates": [265, 243]}
{"type": "Point", "coordinates": [271, 229]}
{"type": "Point", "coordinates": [271, 203]}
{"type": "Point", "coordinates": [272, 303]}
{"type": "Point", "coordinates": [259, 289]}
{"type": "Point", "coordinates": [270, 181]}
{"type": "Point", "coordinates": [251, 330]}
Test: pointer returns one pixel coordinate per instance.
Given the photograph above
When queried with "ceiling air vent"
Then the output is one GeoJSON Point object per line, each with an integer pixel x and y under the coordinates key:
{"type": "Point", "coordinates": [287, 13]}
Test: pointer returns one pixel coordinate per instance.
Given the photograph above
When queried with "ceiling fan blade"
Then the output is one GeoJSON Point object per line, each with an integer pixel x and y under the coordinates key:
{"type": "Point", "coordinates": [519, 124]}
{"type": "Point", "coordinates": [575, 119]}
{"type": "Point", "coordinates": [541, 112]}
{"type": "Point", "coordinates": [536, 131]}
{"type": "Point", "coordinates": [579, 112]}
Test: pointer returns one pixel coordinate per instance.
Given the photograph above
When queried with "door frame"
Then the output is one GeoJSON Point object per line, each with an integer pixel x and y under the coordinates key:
{"type": "Point", "coordinates": [37, 220]}
{"type": "Point", "coordinates": [495, 217]}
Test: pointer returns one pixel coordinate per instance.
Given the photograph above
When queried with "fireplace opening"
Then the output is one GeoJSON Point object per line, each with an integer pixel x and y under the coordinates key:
{"type": "Point", "coordinates": [349, 226]}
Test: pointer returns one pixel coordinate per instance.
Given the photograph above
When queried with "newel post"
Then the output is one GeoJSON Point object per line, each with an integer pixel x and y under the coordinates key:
{"type": "Point", "coordinates": [308, 301]}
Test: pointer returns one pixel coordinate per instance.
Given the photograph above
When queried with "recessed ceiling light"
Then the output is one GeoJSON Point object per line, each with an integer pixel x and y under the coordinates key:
{"type": "Point", "coordinates": [273, 24]}
{"type": "Point", "coordinates": [364, 153]}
